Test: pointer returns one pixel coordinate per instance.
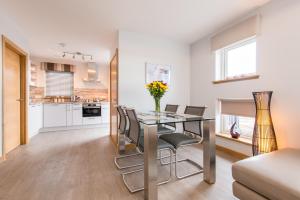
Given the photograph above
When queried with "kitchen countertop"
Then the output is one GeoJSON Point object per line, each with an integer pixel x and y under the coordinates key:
{"type": "Point", "coordinates": [37, 103]}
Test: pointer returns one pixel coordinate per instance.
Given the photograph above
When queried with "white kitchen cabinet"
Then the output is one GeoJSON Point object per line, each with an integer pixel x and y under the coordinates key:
{"type": "Point", "coordinates": [69, 114]}
{"type": "Point", "coordinates": [35, 121]}
{"type": "Point", "coordinates": [77, 114]}
{"type": "Point", "coordinates": [91, 120]}
{"type": "Point", "coordinates": [55, 115]}
{"type": "Point", "coordinates": [105, 109]}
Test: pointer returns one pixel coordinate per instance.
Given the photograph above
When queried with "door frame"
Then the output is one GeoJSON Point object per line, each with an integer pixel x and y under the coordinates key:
{"type": "Point", "coordinates": [7, 43]}
{"type": "Point", "coordinates": [116, 59]}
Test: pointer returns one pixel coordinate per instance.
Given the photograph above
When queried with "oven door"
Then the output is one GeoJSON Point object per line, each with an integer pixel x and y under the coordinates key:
{"type": "Point", "coordinates": [91, 111]}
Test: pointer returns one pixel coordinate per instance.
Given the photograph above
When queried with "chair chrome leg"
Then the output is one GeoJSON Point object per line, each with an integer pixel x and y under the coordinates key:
{"type": "Point", "coordinates": [191, 162]}
{"type": "Point", "coordinates": [163, 157]}
{"type": "Point", "coordinates": [142, 188]}
{"type": "Point", "coordinates": [127, 156]}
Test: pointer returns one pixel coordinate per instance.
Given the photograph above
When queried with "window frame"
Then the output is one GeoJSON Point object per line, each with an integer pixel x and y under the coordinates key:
{"type": "Point", "coordinates": [221, 68]}
{"type": "Point", "coordinates": [58, 72]}
{"type": "Point", "coordinates": [223, 128]}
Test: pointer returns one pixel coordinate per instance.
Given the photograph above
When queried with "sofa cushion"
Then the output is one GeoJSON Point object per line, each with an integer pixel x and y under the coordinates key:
{"type": "Point", "coordinates": [244, 193]}
{"type": "Point", "coordinates": [274, 175]}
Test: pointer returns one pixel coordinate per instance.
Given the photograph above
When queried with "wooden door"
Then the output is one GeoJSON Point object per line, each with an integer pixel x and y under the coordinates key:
{"type": "Point", "coordinates": [114, 98]}
{"type": "Point", "coordinates": [12, 98]}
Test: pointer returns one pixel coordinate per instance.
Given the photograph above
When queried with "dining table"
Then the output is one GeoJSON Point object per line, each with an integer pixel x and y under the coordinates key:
{"type": "Point", "coordinates": [150, 121]}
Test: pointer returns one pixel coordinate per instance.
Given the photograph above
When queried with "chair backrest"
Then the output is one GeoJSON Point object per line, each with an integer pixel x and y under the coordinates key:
{"type": "Point", "coordinates": [195, 110]}
{"type": "Point", "coordinates": [123, 120]}
{"type": "Point", "coordinates": [171, 108]}
{"type": "Point", "coordinates": [194, 127]}
{"type": "Point", "coordinates": [134, 132]}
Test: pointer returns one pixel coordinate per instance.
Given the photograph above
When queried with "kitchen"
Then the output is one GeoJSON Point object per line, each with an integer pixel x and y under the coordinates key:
{"type": "Point", "coordinates": [67, 94]}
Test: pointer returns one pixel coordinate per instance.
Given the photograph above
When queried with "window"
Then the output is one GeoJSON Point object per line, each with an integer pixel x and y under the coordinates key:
{"type": "Point", "coordinates": [236, 60]}
{"type": "Point", "coordinates": [245, 125]}
{"type": "Point", "coordinates": [59, 83]}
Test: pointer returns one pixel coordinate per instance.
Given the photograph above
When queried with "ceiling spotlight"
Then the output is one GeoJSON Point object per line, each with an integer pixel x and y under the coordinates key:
{"type": "Point", "coordinates": [73, 56]}
{"type": "Point", "coordinates": [91, 57]}
{"type": "Point", "coordinates": [82, 57]}
{"type": "Point", "coordinates": [64, 55]}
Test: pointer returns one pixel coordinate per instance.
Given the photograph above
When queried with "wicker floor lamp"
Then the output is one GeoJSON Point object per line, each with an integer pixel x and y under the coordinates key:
{"type": "Point", "coordinates": [264, 138]}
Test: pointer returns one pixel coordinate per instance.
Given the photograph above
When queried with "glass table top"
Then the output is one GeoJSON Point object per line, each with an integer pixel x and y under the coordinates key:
{"type": "Point", "coordinates": [152, 118]}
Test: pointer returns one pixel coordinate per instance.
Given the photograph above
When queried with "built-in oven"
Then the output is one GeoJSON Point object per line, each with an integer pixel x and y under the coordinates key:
{"type": "Point", "coordinates": [91, 110]}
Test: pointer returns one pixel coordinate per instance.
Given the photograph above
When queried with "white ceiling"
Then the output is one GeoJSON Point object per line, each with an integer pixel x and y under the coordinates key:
{"type": "Point", "coordinates": [90, 26]}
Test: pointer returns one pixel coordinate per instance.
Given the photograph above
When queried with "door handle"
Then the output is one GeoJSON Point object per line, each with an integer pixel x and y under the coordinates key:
{"type": "Point", "coordinates": [20, 100]}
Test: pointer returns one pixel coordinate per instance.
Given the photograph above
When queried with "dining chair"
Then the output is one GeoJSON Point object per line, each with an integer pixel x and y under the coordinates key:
{"type": "Point", "coordinates": [163, 129]}
{"type": "Point", "coordinates": [123, 132]}
{"type": "Point", "coordinates": [179, 140]}
{"type": "Point", "coordinates": [136, 134]}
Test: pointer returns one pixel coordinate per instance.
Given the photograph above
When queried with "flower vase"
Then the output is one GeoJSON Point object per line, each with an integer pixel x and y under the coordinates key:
{"type": "Point", "coordinates": [157, 104]}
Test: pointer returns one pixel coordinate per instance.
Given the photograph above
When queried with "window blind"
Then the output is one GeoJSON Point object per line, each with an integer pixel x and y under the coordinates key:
{"type": "Point", "coordinates": [238, 107]}
{"type": "Point", "coordinates": [59, 83]}
{"type": "Point", "coordinates": [243, 30]}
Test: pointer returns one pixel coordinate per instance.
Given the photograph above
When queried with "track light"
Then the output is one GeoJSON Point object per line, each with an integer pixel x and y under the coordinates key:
{"type": "Point", "coordinates": [79, 54]}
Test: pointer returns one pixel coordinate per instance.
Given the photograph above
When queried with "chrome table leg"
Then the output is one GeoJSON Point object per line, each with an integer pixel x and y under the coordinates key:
{"type": "Point", "coordinates": [209, 151]}
{"type": "Point", "coordinates": [150, 166]}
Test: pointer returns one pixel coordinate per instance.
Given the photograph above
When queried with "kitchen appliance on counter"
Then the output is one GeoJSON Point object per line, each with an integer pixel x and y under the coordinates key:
{"type": "Point", "coordinates": [91, 110]}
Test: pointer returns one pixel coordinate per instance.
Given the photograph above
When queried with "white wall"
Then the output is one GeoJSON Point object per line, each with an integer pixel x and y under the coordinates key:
{"type": "Point", "coordinates": [134, 51]}
{"type": "Point", "coordinates": [10, 30]}
{"type": "Point", "coordinates": [278, 47]}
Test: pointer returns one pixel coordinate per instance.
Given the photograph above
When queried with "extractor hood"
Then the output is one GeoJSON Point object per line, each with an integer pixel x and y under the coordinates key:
{"type": "Point", "coordinates": [92, 72]}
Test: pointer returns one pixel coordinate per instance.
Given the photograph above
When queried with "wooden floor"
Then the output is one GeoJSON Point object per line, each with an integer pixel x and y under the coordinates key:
{"type": "Point", "coordinates": [78, 165]}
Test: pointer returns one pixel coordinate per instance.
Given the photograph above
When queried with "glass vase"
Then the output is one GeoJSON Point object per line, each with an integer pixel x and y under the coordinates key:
{"type": "Point", "coordinates": [157, 104]}
{"type": "Point", "coordinates": [264, 138]}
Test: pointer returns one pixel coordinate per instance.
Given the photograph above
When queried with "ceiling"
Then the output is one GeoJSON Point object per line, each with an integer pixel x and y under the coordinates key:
{"type": "Point", "coordinates": [90, 26]}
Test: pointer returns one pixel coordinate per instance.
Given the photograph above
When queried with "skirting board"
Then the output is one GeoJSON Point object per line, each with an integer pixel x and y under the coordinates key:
{"type": "Point", "coordinates": [231, 152]}
{"type": "Point", "coordinates": [64, 128]}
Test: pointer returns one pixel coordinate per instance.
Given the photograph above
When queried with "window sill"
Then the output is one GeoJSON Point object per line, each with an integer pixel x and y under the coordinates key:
{"type": "Point", "coordinates": [240, 140]}
{"type": "Point", "coordinates": [240, 78]}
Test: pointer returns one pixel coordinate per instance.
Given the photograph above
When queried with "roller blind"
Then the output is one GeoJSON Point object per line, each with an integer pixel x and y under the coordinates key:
{"type": "Point", "coordinates": [59, 83]}
{"type": "Point", "coordinates": [238, 32]}
{"type": "Point", "coordinates": [238, 107]}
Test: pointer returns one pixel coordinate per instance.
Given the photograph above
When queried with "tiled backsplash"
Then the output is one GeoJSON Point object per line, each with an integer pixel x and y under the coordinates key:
{"type": "Point", "coordinates": [87, 93]}
{"type": "Point", "coordinates": [37, 94]}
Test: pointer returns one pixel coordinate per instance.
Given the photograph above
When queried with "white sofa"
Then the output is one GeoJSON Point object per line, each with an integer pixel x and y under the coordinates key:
{"type": "Point", "coordinates": [274, 175]}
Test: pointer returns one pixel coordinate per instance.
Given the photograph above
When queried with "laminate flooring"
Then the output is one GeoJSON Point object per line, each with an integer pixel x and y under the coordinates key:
{"type": "Point", "coordinates": [79, 165]}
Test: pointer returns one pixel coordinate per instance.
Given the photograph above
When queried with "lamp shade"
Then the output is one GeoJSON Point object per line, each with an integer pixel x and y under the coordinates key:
{"type": "Point", "coordinates": [264, 138]}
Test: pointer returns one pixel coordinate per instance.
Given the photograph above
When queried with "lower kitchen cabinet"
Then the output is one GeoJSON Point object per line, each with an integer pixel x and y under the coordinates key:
{"type": "Point", "coordinates": [69, 114]}
{"type": "Point", "coordinates": [77, 114]}
{"type": "Point", "coordinates": [91, 120]}
{"type": "Point", "coordinates": [105, 109]}
{"type": "Point", "coordinates": [55, 115]}
{"type": "Point", "coordinates": [35, 121]}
